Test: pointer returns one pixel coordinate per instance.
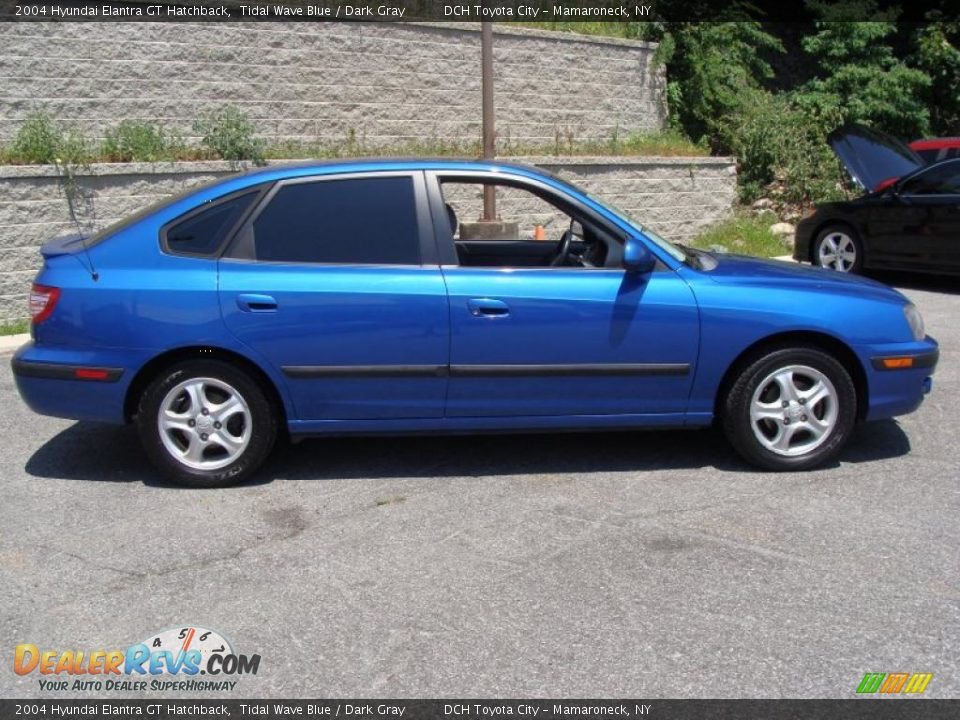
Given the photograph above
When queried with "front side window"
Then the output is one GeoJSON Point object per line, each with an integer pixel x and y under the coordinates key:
{"type": "Point", "coordinates": [203, 232]}
{"type": "Point", "coordinates": [530, 230]}
{"type": "Point", "coordinates": [358, 221]}
{"type": "Point", "coordinates": [940, 180]}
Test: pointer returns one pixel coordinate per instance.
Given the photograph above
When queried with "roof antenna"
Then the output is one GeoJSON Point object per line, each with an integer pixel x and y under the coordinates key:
{"type": "Point", "coordinates": [70, 190]}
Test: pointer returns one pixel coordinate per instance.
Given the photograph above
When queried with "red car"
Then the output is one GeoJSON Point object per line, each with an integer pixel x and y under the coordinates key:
{"type": "Point", "coordinates": [935, 149]}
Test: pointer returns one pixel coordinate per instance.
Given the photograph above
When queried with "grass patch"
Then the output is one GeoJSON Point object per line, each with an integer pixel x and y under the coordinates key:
{"type": "Point", "coordinates": [15, 328]}
{"type": "Point", "coordinates": [229, 135]}
{"type": "Point", "coordinates": [744, 234]}
{"type": "Point", "coordinates": [617, 29]}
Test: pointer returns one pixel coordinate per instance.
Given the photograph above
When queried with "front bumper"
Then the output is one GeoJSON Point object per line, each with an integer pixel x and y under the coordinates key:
{"type": "Point", "coordinates": [803, 239]}
{"type": "Point", "coordinates": [72, 383]}
{"type": "Point", "coordinates": [897, 388]}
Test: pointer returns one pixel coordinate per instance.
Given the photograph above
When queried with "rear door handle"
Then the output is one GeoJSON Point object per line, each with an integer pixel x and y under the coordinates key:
{"type": "Point", "coordinates": [487, 307]}
{"type": "Point", "coordinates": [252, 302]}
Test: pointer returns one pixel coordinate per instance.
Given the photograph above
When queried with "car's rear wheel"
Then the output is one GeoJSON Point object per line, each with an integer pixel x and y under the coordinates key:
{"type": "Point", "coordinates": [838, 248]}
{"type": "Point", "coordinates": [206, 423]}
{"type": "Point", "coordinates": [790, 409]}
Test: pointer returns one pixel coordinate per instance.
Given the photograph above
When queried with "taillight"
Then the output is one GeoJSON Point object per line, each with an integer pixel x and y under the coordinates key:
{"type": "Point", "coordinates": [43, 299]}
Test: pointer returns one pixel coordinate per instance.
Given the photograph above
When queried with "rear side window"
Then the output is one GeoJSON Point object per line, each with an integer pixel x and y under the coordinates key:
{"type": "Point", "coordinates": [363, 221]}
{"type": "Point", "coordinates": [203, 232]}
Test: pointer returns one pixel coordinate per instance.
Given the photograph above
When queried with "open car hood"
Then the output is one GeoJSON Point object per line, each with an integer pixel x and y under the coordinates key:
{"type": "Point", "coordinates": [873, 159]}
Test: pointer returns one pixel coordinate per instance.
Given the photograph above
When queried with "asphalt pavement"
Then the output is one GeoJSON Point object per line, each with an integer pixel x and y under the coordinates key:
{"type": "Point", "coordinates": [643, 565]}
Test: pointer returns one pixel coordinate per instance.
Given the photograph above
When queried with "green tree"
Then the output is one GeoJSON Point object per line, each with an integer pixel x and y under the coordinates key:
{"type": "Point", "coordinates": [936, 54]}
{"type": "Point", "coordinates": [859, 74]}
{"type": "Point", "coordinates": [712, 70]}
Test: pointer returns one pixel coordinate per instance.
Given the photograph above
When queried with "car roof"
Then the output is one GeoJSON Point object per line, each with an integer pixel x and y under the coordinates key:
{"type": "Point", "coordinates": [306, 168]}
{"type": "Point", "coordinates": [373, 164]}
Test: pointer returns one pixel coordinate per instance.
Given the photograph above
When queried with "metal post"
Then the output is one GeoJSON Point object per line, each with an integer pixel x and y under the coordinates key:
{"type": "Point", "coordinates": [489, 134]}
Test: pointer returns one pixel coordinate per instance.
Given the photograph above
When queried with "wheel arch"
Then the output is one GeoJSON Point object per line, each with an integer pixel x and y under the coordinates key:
{"type": "Point", "coordinates": [809, 338]}
{"type": "Point", "coordinates": [199, 352]}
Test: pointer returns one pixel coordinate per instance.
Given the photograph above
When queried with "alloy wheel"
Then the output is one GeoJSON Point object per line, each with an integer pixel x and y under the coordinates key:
{"type": "Point", "coordinates": [837, 251]}
{"type": "Point", "coordinates": [794, 410]}
{"type": "Point", "coordinates": [204, 423]}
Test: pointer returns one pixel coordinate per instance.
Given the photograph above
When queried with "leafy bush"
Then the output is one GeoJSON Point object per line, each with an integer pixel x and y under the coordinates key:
{"type": "Point", "coordinates": [229, 134]}
{"type": "Point", "coordinates": [137, 141]}
{"type": "Point", "coordinates": [781, 147]}
{"type": "Point", "coordinates": [40, 140]}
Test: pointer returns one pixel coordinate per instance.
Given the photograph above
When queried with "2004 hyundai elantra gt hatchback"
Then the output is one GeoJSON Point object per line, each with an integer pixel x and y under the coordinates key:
{"type": "Point", "coordinates": [354, 297]}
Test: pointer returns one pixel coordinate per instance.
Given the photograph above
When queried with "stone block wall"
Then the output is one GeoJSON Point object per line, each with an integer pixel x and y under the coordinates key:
{"type": "Point", "coordinates": [381, 83]}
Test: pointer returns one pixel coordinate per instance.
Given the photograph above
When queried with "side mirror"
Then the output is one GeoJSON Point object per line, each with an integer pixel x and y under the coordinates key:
{"type": "Point", "coordinates": [636, 257]}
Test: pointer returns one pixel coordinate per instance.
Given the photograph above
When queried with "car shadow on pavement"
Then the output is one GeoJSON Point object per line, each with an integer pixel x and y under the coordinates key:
{"type": "Point", "coordinates": [107, 453]}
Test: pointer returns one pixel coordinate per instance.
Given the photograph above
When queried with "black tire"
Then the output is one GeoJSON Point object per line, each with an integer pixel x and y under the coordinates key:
{"type": "Point", "coordinates": [736, 408]}
{"type": "Point", "coordinates": [835, 231]}
{"type": "Point", "coordinates": [262, 418]}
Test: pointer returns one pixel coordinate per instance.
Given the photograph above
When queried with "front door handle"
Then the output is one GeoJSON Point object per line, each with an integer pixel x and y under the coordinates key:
{"type": "Point", "coordinates": [253, 302]}
{"type": "Point", "coordinates": [486, 307]}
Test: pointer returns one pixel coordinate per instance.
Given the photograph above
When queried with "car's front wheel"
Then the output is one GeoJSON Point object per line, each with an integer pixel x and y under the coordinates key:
{"type": "Point", "coordinates": [838, 248]}
{"type": "Point", "coordinates": [790, 409]}
{"type": "Point", "coordinates": [206, 423]}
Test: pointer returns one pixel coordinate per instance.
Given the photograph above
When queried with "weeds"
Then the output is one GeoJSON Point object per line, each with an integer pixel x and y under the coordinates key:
{"type": "Point", "coordinates": [229, 134]}
{"type": "Point", "coordinates": [41, 141]}
{"type": "Point", "coordinates": [138, 141]}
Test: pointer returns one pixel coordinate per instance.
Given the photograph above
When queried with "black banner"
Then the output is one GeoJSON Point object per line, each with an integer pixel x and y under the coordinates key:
{"type": "Point", "coordinates": [858, 709]}
{"type": "Point", "coordinates": [518, 11]}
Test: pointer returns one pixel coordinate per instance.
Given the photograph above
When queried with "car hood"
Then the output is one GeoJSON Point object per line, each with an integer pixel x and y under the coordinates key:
{"type": "Point", "coordinates": [751, 271]}
{"type": "Point", "coordinates": [872, 157]}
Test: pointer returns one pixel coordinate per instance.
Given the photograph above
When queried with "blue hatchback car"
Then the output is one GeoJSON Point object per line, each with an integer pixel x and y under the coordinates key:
{"type": "Point", "coordinates": [360, 297]}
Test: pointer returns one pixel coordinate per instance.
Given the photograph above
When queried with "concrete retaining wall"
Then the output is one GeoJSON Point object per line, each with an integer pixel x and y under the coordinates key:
{"type": "Point", "coordinates": [675, 196]}
{"type": "Point", "coordinates": [382, 83]}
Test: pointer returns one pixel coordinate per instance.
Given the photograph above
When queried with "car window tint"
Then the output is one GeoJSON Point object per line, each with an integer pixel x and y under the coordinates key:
{"type": "Point", "coordinates": [368, 221]}
{"type": "Point", "coordinates": [202, 233]}
{"type": "Point", "coordinates": [940, 180]}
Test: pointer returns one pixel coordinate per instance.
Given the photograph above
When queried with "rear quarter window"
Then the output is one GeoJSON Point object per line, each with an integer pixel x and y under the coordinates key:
{"type": "Point", "coordinates": [203, 231]}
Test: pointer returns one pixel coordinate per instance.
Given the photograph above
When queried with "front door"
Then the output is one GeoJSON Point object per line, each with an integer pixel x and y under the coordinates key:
{"type": "Point", "coordinates": [572, 334]}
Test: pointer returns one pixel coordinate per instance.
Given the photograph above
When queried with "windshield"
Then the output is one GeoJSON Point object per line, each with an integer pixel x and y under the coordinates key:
{"type": "Point", "coordinates": [675, 252]}
{"type": "Point", "coordinates": [668, 247]}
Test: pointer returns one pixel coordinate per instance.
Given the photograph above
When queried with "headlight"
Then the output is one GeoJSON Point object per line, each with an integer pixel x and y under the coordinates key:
{"type": "Point", "coordinates": [915, 322]}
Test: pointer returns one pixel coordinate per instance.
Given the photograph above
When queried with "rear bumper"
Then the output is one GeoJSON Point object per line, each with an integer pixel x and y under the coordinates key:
{"type": "Point", "coordinates": [74, 384]}
{"type": "Point", "coordinates": [899, 390]}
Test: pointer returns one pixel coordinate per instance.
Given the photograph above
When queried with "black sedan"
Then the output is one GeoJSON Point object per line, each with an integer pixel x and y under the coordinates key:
{"type": "Point", "coordinates": [908, 220]}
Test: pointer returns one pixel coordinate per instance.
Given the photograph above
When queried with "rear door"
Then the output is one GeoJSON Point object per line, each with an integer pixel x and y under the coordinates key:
{"type": "Point", "coordinates": [334, 281]}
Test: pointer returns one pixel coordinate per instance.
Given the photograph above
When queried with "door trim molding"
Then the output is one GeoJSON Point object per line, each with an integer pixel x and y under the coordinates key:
{"type": "Point", "coordinates": [532, 370]}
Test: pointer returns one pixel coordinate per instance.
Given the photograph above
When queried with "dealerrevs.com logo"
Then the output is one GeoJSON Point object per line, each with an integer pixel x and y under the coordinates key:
{"type": "Point", "coordinates": [170, 660]}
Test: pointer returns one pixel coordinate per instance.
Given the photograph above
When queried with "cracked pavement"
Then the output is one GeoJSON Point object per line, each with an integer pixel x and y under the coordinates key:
{"type": "Point", "coordinates": [607, 565]}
